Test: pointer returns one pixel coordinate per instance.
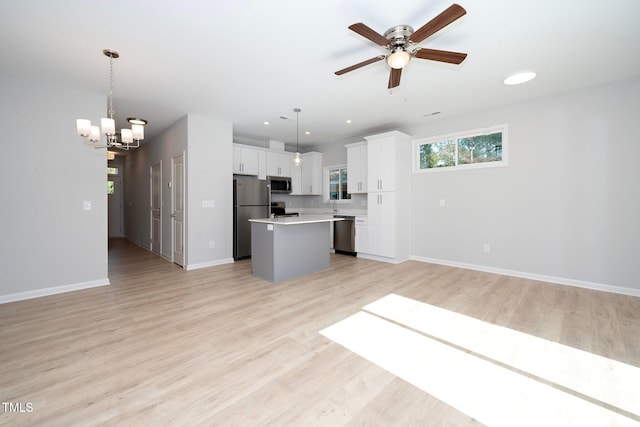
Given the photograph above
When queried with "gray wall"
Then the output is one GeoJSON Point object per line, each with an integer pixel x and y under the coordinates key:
{"type": "Point", "coordinates": [209, 178]}
{"type": "Point", "coordinates": [568, 204]}
{"type": "Point", "coordinates": [172, 142]}
{"type": "Point", "coordinates": [207, 143]}
{"type": "Point", "coordinates": [47, 240]}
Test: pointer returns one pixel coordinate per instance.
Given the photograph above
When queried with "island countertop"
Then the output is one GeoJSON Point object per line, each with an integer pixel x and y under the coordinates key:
{"type": "Point", "coordinates": [293, 220]}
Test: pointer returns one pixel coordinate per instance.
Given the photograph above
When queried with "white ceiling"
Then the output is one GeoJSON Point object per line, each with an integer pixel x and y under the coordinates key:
{"type": "Point", "coordinates": [254, 60]}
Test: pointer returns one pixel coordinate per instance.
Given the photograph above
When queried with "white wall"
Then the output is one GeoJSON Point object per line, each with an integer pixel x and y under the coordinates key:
{"type": "Point", "coordinates": [48, 243]}
{"type": "Point", "coordinates": [566, 207]}
{"type": "Point", "coordinates": [209, 178]}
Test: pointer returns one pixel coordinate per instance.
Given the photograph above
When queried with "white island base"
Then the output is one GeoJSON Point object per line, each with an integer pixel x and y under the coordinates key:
{"type": "Point", "coordinates": [284, 248]}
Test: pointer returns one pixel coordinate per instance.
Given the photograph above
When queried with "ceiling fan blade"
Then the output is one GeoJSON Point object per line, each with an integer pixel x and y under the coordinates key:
{"type": "Point", "coordinates": [361, 64]}
{"type": "Point", "coordinates": [440, 55]}
{"type": "Point", "coordinates": [445, 18]}
{"type": "Point", "coordinates": [370, 34]}
{"type": "Point", "coordinates": [394, 77]}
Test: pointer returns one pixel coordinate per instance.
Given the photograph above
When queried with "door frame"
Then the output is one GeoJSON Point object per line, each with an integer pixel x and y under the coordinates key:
{"type": "Point", "coordinates": [184, 211]}
{"type": "Point", "coordinates": [151, 192]}
{"type": "Point", "coordinates": [117, 197]}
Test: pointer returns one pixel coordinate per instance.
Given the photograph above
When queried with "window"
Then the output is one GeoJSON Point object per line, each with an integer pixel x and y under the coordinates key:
{"type": "Point", "coordinates": [473, 149]}
{"type": "Point", "coordinates": [111, 189]}
{"type": "Point", "coordinates": [336, 180]}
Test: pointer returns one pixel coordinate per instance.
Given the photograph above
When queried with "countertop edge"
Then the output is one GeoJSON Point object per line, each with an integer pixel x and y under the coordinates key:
{"type": "Point", "coordinates": [294, 220]}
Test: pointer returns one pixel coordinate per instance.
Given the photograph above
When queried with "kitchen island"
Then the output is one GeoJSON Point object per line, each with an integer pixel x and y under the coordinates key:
{"type": "Point", "coordinates": [284, 248]}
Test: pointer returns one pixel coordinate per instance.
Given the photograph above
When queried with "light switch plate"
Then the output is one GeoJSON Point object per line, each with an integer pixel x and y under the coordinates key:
{"type": "Point", "coordinates": [86, 205]}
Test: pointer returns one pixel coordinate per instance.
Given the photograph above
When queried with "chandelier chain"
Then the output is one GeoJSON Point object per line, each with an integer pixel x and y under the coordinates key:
{"type": "Point", "coordinates": [111, 87]}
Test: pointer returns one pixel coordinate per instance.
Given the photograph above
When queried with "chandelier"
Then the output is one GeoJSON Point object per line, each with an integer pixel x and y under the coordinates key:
{"type": "Point", "coordinates": [128, 138]}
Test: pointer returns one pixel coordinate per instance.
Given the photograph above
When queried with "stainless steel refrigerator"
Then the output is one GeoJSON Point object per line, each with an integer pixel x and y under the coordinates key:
{"type": "Point", "coordinates": [250, 200]}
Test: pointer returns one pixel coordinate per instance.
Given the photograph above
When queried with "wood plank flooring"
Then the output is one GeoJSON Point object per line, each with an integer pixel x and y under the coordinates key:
{"type": "Point", "coordinates": [217, 346]}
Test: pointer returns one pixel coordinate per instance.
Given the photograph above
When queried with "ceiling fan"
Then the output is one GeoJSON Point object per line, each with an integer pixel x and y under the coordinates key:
{"type": "Point", "coordinates": [401, 39]}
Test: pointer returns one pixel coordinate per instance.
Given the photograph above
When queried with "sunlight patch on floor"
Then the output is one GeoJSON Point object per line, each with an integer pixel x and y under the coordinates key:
{"type": "Point", "coordinates": [479, 387]}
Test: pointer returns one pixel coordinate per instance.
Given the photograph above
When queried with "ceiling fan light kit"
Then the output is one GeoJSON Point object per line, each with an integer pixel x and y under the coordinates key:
{"type": "Point", "coordinates": [400, 41]}
{"type": "Point", "coordinates": [91, 133]}
{"type": "Point", "coordinates": [398, 59]}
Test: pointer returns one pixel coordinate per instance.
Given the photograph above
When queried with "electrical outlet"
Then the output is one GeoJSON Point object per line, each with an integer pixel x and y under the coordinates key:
{"type": "Point", "coordinates": [442, 203]}
{"type": "Point", "coordinates": [212, 244]}
{"type": "Point", "coordinates": [486, 248]}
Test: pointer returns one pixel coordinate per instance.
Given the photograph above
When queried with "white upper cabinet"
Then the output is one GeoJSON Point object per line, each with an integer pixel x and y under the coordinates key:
{"type": "Point", "coordinates": [306, 179]}
{"type": "Point", "coordinates": [381, 155]}
{"type": "Point", "coordinates": [357, 167]}
{"type": "Point", "coordinates": [245, 160]}
{"type": "Point", "coordinates": [279, 164]}
{"type": "Point", "coordinates": [312, 173]}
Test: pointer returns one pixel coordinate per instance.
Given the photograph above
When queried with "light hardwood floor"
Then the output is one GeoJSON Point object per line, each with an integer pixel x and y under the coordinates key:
{"type": "Point", "coordinates": [217, 346]}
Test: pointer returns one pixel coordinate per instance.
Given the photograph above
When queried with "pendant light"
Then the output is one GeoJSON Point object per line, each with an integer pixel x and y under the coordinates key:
{"type": "Point", "coordinates": [297, 160]}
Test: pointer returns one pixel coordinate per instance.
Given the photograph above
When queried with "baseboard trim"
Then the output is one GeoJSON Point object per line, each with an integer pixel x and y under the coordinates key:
{"type": "Point", "coordinates": [540, 277]}
{"type": "Point", "coordinates": [381, 258]}
{"type": "Point", "coordinates": [209, 264]}
{"type": "Point", "coordinates": [37, 293]}
{"type": "Point", "coordinates": [137, 243]}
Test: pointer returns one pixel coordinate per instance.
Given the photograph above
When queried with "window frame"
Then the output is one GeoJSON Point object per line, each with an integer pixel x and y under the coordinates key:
{"type": "Point", "coordinates": [417, 143]}
{"type": "Point", "coordinates": [326, 187]}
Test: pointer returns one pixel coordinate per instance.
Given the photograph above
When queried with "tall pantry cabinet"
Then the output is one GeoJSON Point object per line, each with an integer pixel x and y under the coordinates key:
{"type": "Point", "coordinates": [389, 196]}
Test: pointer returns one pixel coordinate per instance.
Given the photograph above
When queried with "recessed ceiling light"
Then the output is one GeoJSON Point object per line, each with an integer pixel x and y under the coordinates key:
{"type": "Point", "coordinates": [266, 123]}
{"type": "Point", "coordinates": [307, 132]}
{"type": "Point", "coordinates": [348, 122]}
{"type": "Point", "coordinates": [518, 78]}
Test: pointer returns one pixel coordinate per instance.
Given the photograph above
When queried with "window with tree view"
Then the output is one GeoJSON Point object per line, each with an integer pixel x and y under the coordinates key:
{"type": "Point", "coordinates": [482, 148]}
{"type": "Point", "coordinates": [338, 184]}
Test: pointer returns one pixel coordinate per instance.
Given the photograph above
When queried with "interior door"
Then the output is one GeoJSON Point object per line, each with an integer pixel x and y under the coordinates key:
{"type": "Point", "coordinates": [156, 211]}
{"type": "Point", "coordinates": [178, 209]}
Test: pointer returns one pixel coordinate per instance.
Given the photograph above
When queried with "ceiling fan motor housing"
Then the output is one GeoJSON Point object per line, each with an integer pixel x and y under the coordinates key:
{"type": "Point", "coordinates": [398, 37]}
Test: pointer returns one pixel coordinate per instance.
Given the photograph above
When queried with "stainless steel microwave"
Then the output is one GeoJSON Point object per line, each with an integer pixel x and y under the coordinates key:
{"type": "Point", "coordinates": [280, 184]}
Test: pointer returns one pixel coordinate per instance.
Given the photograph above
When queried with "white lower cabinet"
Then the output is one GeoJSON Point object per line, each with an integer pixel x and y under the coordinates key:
{"type": "Point", "coordinates": [362, 234]}
{"type": "Point", "coordinates": [382, 224]}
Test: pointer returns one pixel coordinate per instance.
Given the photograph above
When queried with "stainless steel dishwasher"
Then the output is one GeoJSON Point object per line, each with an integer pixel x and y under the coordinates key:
{"type": "Point", "coordinates": [344, 235]}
